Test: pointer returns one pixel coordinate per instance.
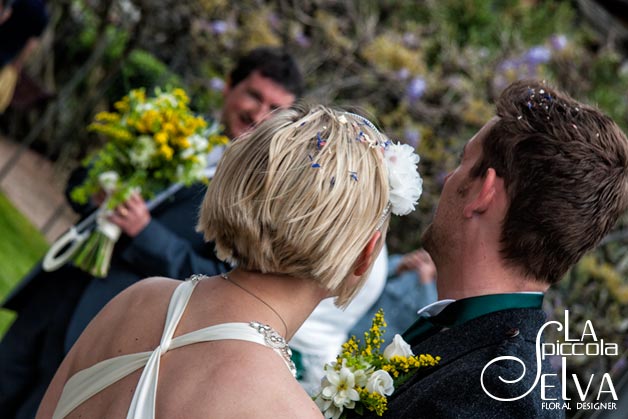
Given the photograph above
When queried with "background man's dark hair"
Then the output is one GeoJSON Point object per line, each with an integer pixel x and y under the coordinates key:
{"type": "Point", "coordinates": [273, 63]}
{"type": "Point", "coordinates": [565, 169]}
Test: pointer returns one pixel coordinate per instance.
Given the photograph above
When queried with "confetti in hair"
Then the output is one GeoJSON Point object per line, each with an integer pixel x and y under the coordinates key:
{"type": "Point", "coordinates": [320, 142]}
{"type": "Point", "coordinates": [540, 100]}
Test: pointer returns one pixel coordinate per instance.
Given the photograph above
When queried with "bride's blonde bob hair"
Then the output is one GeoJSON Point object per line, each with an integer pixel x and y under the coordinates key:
{"type": "Point", "coordinates": [300, 195]}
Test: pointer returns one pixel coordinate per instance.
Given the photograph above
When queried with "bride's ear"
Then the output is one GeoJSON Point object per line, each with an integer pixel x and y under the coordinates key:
{"type": "Point", "coordinates": [368, 254]}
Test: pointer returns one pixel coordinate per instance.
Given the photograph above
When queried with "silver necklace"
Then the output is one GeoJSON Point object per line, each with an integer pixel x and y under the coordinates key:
{"type": "Point", "coordinates": [226, 276]}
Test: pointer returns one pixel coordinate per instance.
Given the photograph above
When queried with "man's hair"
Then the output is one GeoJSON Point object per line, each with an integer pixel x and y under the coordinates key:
{"type": "Point", "coordinates": [299, 195]}
{"type": "Point", "coordinates": [273, 63]}
{"type": "Point", "coordinates": [565, 169]}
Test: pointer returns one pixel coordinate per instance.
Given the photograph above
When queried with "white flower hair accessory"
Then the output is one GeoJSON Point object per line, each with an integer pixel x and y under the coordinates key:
{"type": "Point", "coordinates": [406, 185]}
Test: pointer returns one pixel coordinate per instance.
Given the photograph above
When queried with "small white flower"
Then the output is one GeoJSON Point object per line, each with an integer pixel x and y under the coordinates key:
{"type": "Point", "coordinates": [405, 182]}
{"type": "Point", "coordinates": [187, 153]}
{"type": "Point", "coordinates": [380, 382]}
{"type": "Point", "coordinates": [109, 181]}
{"type": "Point", "coordinates": [198, 142]}
{"type": "Point", "coordinates": [329, 410]}
{"type": "Point", "coordinates": [142, 151]}
{"type": "Point", "coordinates": [339, 386]}
{"type": "Point", "coordinates": [361, 377]}
{"type": "Point", "coordinates": [143, 107]}
{"type": "Point", "coordinates": [398, 347]}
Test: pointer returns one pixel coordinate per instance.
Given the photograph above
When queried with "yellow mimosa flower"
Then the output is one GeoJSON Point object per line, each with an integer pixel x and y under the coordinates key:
{"type": "Point", "coordinates": [161, 138]}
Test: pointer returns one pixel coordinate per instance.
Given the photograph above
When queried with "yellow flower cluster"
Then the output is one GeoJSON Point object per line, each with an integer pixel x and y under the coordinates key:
{"type": "Point", "coordinates": [113, 132]}
{"type": "Point", "coordinates": [166, 118]}
{"type": "Point", "coordinates": [373, 338]}
{"type": "Point", "coordinates": [399, 365]}
{"type": "Point", "coordinates": [374, 402]}
{"type": "Point", "coordinates": [152, 142]}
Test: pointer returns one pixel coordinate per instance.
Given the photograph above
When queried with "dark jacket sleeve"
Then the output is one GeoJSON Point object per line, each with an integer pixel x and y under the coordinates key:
{"type": "Point", "coordinates": [158, 251]}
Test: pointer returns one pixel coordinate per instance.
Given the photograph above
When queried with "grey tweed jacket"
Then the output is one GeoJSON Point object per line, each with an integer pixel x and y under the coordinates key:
{"type": "Point", "coordinates": [452, 389]}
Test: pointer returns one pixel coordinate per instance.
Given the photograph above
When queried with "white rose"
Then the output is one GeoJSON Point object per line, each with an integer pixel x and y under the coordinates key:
{"type": "Point", "coordinates": [380, 382]}
{"type": "Point", "coordinates": [398, 347]}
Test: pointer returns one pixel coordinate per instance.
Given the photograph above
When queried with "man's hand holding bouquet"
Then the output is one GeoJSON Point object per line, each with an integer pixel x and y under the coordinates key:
{"type": "Point", "coordinates": [153, 143]}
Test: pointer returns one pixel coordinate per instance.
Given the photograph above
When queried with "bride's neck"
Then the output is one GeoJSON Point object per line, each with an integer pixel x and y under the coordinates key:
{"type": "Point", "coordinates": [292, 298]}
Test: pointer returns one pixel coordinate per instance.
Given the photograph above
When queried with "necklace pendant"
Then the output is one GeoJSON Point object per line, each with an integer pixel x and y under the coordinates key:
{"type": "Point", "coordinates": [274, 340]}
{"type": "Point", "coordinates": [196, 277]}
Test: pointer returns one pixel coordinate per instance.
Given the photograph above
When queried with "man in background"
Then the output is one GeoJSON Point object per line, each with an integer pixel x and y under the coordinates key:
{"type": "Point", "coordinates": [54, 307]}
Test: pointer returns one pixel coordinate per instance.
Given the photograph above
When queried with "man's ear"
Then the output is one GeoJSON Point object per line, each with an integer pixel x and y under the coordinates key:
{"type": "Point", "coordinates": [367, 255]}
{"type": "Point", "coordinates": [485, 197]}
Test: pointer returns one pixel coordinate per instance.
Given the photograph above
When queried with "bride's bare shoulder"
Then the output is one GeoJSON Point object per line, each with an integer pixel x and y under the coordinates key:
{"type": "Point", "coordinates": [249, 381]}
{"type": "Point", "coordinates": [136, 314]}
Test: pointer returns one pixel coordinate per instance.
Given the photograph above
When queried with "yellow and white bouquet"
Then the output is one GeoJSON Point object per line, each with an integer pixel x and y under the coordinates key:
{"type": "Point", "coordinates": [153, 143]}
{"type": "Point", "coordinates": [363, 376]}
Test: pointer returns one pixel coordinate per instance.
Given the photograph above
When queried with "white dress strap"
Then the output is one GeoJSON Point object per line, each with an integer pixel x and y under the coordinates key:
{"type": "Point", "coordinates": [86, 383]}
{"type": "Point", "coordinates": [143, 403]}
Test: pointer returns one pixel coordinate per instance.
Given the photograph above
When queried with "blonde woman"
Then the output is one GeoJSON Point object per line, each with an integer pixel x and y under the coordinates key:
{"type": "Point", "coordinates": [301, 206]}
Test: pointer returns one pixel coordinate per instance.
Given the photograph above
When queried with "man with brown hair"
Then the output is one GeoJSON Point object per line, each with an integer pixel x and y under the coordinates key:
{"type": "Point", "coordinates": [538, 186]}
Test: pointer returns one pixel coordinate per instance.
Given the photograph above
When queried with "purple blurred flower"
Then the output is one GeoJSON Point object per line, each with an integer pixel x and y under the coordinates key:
{"type": "Point", "coordinates": [538, 55]}
{"type": "Point", "coordinates": [218, 27]}
{"type": "Point", "coordinates": [410, 40]}
{"type": "Point", "coordinates": [302, 40]}
{"type": "Point", "coordinates": [416, 88]}
{"type": "Point", "coordinates": [274, 20]}
{"type": "Point", "coordinates": [509, 64]}
{"type": "Point", "coordinates": [558, 42]}
{"type": "Point", "coordinates": [412, 136]}
{"type": "Point", "coordinates": [403, 74]}
{"type": "Point", "coordinates": [217, 84]}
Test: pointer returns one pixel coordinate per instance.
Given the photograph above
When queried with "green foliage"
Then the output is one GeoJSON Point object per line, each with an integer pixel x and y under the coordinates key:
{"type": "Point", "coordinates": [142, 69]}
{"type": "Point", "coordinates": [20, 248]}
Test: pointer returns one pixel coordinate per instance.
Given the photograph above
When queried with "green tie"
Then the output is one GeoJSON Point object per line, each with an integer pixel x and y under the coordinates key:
{"type": "Point", "coordinates": [463, 310]}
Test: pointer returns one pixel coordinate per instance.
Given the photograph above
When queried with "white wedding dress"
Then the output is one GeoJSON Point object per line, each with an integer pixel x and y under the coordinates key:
{"type": "Point", "coordinates": [86, 383]}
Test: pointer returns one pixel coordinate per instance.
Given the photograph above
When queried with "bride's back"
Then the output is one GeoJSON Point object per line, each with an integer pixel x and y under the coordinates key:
{"type": "Point", "coordinates": [207, 379]}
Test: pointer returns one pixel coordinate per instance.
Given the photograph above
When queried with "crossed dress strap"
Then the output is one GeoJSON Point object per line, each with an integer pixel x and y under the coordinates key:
{"type": "Point", "coordinates": [88, 382]}
{"type": "Point", "coordinates": [143, 403]}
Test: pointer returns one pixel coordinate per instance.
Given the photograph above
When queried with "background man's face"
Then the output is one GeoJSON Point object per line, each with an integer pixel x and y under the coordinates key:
{"type": "Point", "coordinates": [251, 101]}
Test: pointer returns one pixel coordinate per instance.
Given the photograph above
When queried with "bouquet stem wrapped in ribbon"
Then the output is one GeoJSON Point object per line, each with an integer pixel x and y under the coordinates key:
{"type": "Point", "coordinates": [153, 144]}
{"type": "Point", "coordinates": [94, 256]}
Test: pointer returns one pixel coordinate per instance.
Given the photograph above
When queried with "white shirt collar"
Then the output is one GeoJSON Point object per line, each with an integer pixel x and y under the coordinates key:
{"type": "Point", "coordinates": [434, 308]}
